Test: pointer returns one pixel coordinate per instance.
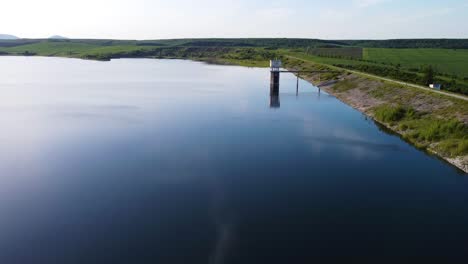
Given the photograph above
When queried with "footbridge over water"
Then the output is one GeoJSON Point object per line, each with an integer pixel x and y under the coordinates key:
{"type": "Point", "coordinates": [275, 70]}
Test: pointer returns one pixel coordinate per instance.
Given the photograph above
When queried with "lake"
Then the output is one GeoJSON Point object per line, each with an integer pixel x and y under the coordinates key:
{"type": "Point", "coordinates": [170, 161]}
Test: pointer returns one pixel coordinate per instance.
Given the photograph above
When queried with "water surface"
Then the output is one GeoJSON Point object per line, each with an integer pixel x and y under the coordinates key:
{"type": "Point", "coordinates": [168, 161]}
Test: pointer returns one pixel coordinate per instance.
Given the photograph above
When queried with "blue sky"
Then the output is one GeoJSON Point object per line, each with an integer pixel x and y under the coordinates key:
{"type": "Point", "coordinates": [153, 19]}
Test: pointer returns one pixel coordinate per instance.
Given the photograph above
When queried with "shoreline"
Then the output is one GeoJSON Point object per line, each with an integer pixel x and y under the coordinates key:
{"type": "Point", "coordinates": [461, 163]}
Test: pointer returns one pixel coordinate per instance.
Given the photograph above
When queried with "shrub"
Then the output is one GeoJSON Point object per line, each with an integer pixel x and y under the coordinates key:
{"type": "Point", "coordinates": [343, 86]}
{"type": "Point", "coordinates": [453, 147]}
{"type": "Point", "coordinates": [387, 113]}
{"type": "Point", "coordinates": [403, 127]}
{"type": "Point", "coordinates": [441, 129]}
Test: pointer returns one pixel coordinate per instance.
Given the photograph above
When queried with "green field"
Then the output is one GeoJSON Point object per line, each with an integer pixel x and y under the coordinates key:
{"type": "Point", "coordinates": [447, 61]}
{"type": "Point", "coordinates": [66, 49]}
{"type": "Point", "coordinates": [343, 52]}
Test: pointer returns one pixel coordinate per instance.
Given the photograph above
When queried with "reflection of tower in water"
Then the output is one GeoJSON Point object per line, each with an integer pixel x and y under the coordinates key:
{"type": "Point", "coordinates": [274, 101]}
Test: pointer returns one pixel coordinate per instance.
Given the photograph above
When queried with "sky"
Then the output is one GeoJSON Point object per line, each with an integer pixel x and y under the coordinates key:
{"type": "Point", "coordinates": [163, 19]}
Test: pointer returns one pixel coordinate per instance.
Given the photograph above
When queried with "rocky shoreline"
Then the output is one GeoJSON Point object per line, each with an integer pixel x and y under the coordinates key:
{"type": "Point", "coordinates": [361, 100]}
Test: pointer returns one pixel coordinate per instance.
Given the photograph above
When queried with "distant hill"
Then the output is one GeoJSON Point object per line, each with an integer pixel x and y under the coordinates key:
{"type": "Point", "coordinates": [57, 37]}
{"type": "Point", "coordinates": [5, 36]}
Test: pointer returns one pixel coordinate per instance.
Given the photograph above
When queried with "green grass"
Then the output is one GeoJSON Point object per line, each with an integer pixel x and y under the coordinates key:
{"type": "Point", "coordinates": [51, 48]}
{"type": "Point", "coordinates": [445, 60]}
{"type": "Point", "coordinates": [453, 147]}
{"type": "Point", "coordinates": [447, 136]}
{"type": "Point", "coordinates": [342, 52]}
{"type": "Point", "coordinates": [345, 85]}
{"type": "Point", "coordinates": [442, 106]}
{"type": "Point", "coordinates": [387, 113]}
{"type": "Point", "coordinates": [322, 60]}
{"type": "Point", "coordinates": [71, 49]}
{"type": "Point", "coordinates": [431, 130]}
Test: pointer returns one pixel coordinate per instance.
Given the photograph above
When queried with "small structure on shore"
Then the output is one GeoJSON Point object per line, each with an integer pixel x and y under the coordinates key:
{"type": "Point", "coordinates": [436, 86]}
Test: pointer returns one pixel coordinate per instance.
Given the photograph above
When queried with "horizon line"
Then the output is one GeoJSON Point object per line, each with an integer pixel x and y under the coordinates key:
{"type": "Point", "coordinates": [229, 38]}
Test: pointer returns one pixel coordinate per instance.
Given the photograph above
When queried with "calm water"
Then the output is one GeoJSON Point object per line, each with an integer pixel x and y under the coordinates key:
{"type": "Point", "coordinates": [159, 161]}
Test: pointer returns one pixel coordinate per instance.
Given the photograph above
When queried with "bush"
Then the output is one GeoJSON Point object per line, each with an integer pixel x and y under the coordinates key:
{"type": "Point", "coordinates": [341, 86]}
{"type": "Point", "coordinates": [387, 113]}
{"type": "Point", "coordinates": [403, 127]}
{"type": "Point", "coordinates": [453, 147]}
{"type": "Point", "coordinates": [440, 129]}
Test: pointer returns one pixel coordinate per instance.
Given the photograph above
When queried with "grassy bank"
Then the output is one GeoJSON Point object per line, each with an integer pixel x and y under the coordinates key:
{"type": "Point", "coordinates": [446, 136]}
